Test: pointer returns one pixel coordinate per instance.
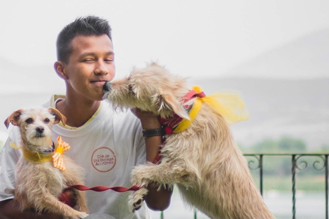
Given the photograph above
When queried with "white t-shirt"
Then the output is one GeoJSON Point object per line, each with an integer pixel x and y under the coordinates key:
{"type": "Point", "coordinates": [108, 146]}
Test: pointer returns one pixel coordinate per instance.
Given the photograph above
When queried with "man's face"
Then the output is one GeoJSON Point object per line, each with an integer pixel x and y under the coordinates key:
{"type": "Point", "coordinates": [90, 65]}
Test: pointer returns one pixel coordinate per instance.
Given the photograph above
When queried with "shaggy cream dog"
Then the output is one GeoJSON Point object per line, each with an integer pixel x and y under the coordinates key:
{"type": "Point", "coordinates": [38, 183]}
{"type": "Point", "coordinates": [203, 160]}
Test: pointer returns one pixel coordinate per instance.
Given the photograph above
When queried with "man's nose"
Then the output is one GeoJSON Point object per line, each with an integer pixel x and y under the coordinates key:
{"type": "Point", "coordinates": [101, 68]}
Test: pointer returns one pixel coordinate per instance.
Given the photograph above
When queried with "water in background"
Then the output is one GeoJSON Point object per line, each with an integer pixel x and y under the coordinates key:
{"type": "Point", "coordinates": [309, 205]}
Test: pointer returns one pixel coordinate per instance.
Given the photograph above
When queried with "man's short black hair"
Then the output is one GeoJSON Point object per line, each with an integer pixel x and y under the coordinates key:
{"type": "Point", "coordinates": [83, 26]}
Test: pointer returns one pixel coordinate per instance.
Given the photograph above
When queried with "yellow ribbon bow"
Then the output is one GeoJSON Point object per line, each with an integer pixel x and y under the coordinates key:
{"type": "Point", "coordinates": [58, 153]}
{"type": "Point", "coordinates": [229, 105]}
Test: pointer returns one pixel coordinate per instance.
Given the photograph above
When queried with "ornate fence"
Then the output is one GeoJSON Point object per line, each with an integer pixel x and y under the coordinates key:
{"type": "Point", "coordinates": [317, 165]}
{"type": "Point", "coordinates": [299, 162]}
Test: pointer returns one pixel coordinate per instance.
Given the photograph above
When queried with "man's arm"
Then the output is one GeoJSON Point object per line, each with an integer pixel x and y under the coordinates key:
{"type": "Point", "coordinates": [155, 200]}
{"type": "Point", "coordinates": [9, 210]}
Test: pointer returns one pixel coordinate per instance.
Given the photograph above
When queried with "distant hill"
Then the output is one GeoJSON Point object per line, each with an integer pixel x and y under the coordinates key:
{"type": "Point", "coordinates": [278, 107]}
{"type": "Point", "coordinates": [304, 58]}
{"type": "Point", "coordinates": [296, 108]}
{"type": "Point", "coordinates": [28, 79]}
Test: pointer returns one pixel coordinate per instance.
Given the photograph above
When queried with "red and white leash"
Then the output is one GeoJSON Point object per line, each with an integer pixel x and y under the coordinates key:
{"type": "Point", "coordinates": [104, 188]}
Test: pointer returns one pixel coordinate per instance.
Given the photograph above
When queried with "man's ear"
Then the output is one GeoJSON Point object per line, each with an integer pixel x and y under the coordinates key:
{"type": "Point", "coordinates": [58, 116]}
{"type": "Point", "coordinates": [169, 101]}
{"type": "Point", "coordinates": [13, 118]}
{"type": "Point", "coordinates": [60, 69]}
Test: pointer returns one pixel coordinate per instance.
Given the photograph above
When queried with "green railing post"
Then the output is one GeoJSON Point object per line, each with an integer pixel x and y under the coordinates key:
{"type": "Point", "coordinates": [293, 172]}
{"type": "Point", "coordinates": [261, 174]}
{"type": "Point", "coordinates": [295, 166]}
{"type": "Point", "coordinates": [326, 182]}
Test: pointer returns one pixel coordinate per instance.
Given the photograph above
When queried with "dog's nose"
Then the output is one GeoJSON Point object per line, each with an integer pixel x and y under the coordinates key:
{"type": "Point", "coordinates": [107, 86]}
{"type": "Point", "coordinates": [40, 129]}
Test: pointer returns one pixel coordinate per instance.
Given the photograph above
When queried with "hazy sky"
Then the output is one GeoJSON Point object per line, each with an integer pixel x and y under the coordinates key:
{"type": "Point", "coordinates": [191, 38]}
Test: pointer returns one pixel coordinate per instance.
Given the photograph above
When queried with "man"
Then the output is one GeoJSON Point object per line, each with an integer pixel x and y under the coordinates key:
{"type": "Point", "coordinates": [105, 143]}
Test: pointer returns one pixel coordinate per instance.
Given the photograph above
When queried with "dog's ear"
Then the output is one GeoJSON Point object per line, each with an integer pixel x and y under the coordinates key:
{"type": "Point", "coordinates": [13, 118]}
{"type": "Point", "coordinates": [58, 116]}
{"type": "Point", "coordinates": [169, 101]}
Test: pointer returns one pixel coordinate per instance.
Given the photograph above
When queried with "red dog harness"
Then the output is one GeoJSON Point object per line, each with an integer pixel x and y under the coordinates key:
{"type": "Point", "coordinates": [171, 123]}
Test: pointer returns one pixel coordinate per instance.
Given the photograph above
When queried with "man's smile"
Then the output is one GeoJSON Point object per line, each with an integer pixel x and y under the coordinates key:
{"type": "Point", "coordinates": [98, 82]}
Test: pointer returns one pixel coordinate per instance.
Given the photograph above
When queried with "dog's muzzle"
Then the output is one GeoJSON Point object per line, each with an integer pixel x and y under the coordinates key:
{"type": "Point", "coordinates": [40, 129]}
{"type": "Point", "coordinates": [107, 87]}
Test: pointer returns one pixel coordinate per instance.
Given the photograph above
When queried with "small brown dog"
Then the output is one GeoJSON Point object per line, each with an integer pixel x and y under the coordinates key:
{"type": "Point", "coordinates": [38, 183]}
{"type": "Point", "coordinates": [203, 160]}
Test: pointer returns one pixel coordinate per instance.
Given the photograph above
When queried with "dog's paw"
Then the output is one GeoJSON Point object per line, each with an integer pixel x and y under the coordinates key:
{"type": "Point", "coordinates": [141, 175]}
{"type": "Point", "coordinates": [78, 215]}
{"type": "Point", "coordinates": [83, 215]}
{"type": "Point", "coordinates": [136, 199]}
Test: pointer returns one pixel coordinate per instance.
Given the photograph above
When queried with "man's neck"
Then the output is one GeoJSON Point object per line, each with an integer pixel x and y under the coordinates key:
{"type": "Point", "coordinates": [77, 112]}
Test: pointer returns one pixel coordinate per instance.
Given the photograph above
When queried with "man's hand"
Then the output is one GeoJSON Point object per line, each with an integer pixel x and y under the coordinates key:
{"type": "Point", "coordinates": [148, 119]}
{"type": "Point", "coordinates": [156, 200]}
{"type": "Point", "coordinates": [10, 210]}
{"type": "Point", "coordinates": [68, 197]}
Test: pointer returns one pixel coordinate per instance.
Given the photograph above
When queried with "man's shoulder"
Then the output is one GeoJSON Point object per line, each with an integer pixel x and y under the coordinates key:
{"type": "Point", "coordinates": [52, 100]}
{"type": "Point", "coordinates": [14, 134]}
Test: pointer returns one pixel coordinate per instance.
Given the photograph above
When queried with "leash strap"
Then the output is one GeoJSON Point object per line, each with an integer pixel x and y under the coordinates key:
{"type": "Point", "coordinates": [174, 124]}
{"type": "Point", "coordinates": [104, 188]}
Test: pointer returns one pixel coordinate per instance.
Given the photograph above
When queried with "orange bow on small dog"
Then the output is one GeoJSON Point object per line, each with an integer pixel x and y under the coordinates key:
{"type": "Point", "coordinates": [57, 157]}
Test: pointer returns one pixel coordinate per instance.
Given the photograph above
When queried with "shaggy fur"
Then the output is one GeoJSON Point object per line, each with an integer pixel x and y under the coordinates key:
{"type": "Point", "coordinates": [38, 185]}
{"type": "Point", "coordinates": [204, 160]}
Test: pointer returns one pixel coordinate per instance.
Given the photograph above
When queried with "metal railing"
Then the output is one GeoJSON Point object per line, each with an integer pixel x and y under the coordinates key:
{"type": "Point", "coordinates": [297, 163]}
{"type": "Point", "coordinates": [294, 158]}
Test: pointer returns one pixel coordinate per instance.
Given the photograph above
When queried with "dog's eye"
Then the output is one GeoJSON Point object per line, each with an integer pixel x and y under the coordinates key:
{"type": "Point", "coordinates": [131, 90]}
{"type": "Point", "coordinates": [29, 121]}
{"type": "Point", "coordinates": [46, 120]}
